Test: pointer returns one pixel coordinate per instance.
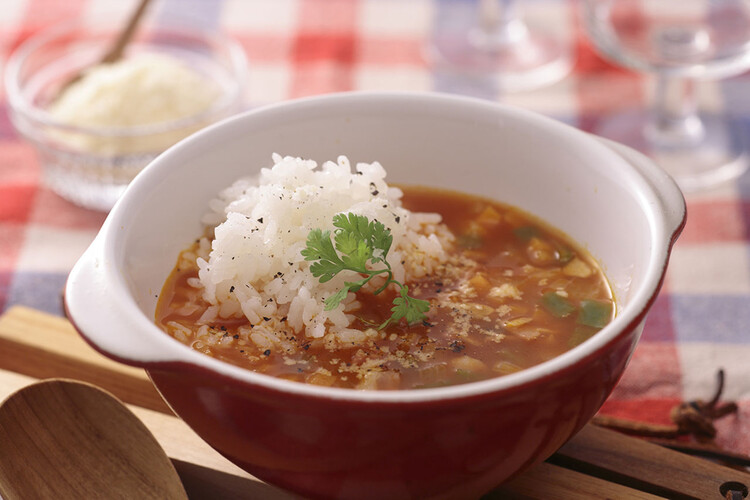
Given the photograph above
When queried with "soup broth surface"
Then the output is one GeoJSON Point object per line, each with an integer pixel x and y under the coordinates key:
{"type": "Point", "coordinates": [514, 293]}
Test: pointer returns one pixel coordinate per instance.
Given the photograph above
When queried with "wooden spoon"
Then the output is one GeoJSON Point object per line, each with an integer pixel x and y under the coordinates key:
{"type": "Point", "coordinates": [65, 439]}
{"type": "Point", "coordinates": [117, 49]}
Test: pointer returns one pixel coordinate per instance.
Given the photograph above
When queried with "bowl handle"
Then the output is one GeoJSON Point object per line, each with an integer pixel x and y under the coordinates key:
{"type": "Point", "coordinates": [106, 316]}
{"type": "Point", "coordinates": [668, 193]}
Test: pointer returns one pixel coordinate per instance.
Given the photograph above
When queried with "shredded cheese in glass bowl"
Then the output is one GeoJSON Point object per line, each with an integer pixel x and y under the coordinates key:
{"type": "Point", "coordinates": [94, 134]}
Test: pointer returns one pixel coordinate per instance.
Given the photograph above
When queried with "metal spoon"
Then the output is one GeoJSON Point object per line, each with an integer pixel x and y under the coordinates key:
{"type": "Point", "coordinates": [66, 439]}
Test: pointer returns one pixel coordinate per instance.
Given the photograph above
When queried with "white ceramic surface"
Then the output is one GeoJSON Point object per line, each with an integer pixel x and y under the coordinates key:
{"type": "Point", "coordinates": [614, 201]}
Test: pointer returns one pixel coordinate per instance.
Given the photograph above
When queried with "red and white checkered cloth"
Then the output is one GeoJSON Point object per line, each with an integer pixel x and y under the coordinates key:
{"type": "Point", "coordinates": [701, 320]}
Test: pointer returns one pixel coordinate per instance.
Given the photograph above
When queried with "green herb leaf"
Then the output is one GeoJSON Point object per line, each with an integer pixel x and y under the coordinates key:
{"type": "Point", "coordinates": [356, 253]}
{"type": "Point", "coordinates": [410, 308]}
{"type": "Point", "coordinates": [334, 300]}
{"type": "Point", "coordinates": [595, 313]}
{"type": "Point", "coordinates": [417, 307]}
{"type": "Point", "coordinates": [580, 335]}
{"type": "Point", "coordinates": [564, 253]}
{"type": "Point", "coordinates": [320, 248]}
{"type": "Point", "coordinates": [353, 224]}
{"type": "Point", "coordinates": [557, 305]}
{"type": "Point", "coordinates": [359, 241]}
{"type": "Point", "coordinates": [470, 241]}
{"type": "Point", "coordinates": [525, 233]}
{"type": "Point", "coordinates": [381, 242]}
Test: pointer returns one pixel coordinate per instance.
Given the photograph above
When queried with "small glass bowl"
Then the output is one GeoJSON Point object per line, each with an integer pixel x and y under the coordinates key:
{"type": "Point", "coordinates": [92, 166]}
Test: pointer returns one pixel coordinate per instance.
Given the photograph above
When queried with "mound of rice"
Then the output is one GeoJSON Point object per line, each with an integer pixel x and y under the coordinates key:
{"type": "Point", "coordinates": [253, 266]}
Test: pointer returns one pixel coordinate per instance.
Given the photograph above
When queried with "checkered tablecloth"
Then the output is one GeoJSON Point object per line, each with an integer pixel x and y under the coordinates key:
{"type": "Point", "coordinates": [701, 320]}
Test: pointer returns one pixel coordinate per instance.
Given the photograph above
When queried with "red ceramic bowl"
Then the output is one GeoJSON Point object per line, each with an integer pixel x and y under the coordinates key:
{"type": "Point", "coordinates": [451, 442]}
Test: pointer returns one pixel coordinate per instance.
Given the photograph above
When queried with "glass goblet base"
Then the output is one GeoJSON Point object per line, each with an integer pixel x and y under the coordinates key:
{"type": "Point", "coordinates": [718, 155]}
{"type": "Point", "coordinates": [534, 61]}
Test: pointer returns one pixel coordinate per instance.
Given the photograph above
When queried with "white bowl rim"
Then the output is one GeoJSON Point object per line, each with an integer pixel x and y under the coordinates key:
{"type": "Point", "coordinates": [660, 189]}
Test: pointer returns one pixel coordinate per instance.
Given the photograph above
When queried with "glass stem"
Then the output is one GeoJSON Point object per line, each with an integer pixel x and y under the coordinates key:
{"type": "Point", "coordinates": [498, 25]}
{"type": "Point", "coordinates": [674, 115]}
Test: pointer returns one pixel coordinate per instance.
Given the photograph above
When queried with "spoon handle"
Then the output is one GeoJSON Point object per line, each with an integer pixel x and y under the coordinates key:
{"type": "Point", "coordinates": [118, 46]}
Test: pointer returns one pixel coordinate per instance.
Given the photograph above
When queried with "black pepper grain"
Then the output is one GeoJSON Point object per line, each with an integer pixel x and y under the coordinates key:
{"type": "Point", "coordinates": [457, 346]}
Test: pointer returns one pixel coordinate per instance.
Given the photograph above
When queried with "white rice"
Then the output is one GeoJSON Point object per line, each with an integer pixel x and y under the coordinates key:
{"type": "Point", "coordinates": [255, 268]}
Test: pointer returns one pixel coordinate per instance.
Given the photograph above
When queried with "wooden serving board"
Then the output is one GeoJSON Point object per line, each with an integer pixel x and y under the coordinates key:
{"type": "Point", "coordinates": [597, 463]}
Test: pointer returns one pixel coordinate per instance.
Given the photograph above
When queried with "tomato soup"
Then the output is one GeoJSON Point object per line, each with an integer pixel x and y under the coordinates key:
{"type": "Point", "coordinates": [513, 293]}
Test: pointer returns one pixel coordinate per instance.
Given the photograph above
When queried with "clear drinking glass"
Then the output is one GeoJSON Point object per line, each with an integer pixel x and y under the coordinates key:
{"type": "Point", "coordinates": [492, 39]}
{"type": "Point", "coordinates": [680, 42]}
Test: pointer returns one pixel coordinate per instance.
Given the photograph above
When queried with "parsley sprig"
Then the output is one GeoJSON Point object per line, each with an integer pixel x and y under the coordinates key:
{"type": "Point", "coordinates": [358, 241]}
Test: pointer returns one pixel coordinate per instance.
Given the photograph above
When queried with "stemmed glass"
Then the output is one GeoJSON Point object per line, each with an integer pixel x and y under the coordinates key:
{"type": "Point", "coordinates": [680, 42]}
{"type": "Point", "coordinates": [494, 40]}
